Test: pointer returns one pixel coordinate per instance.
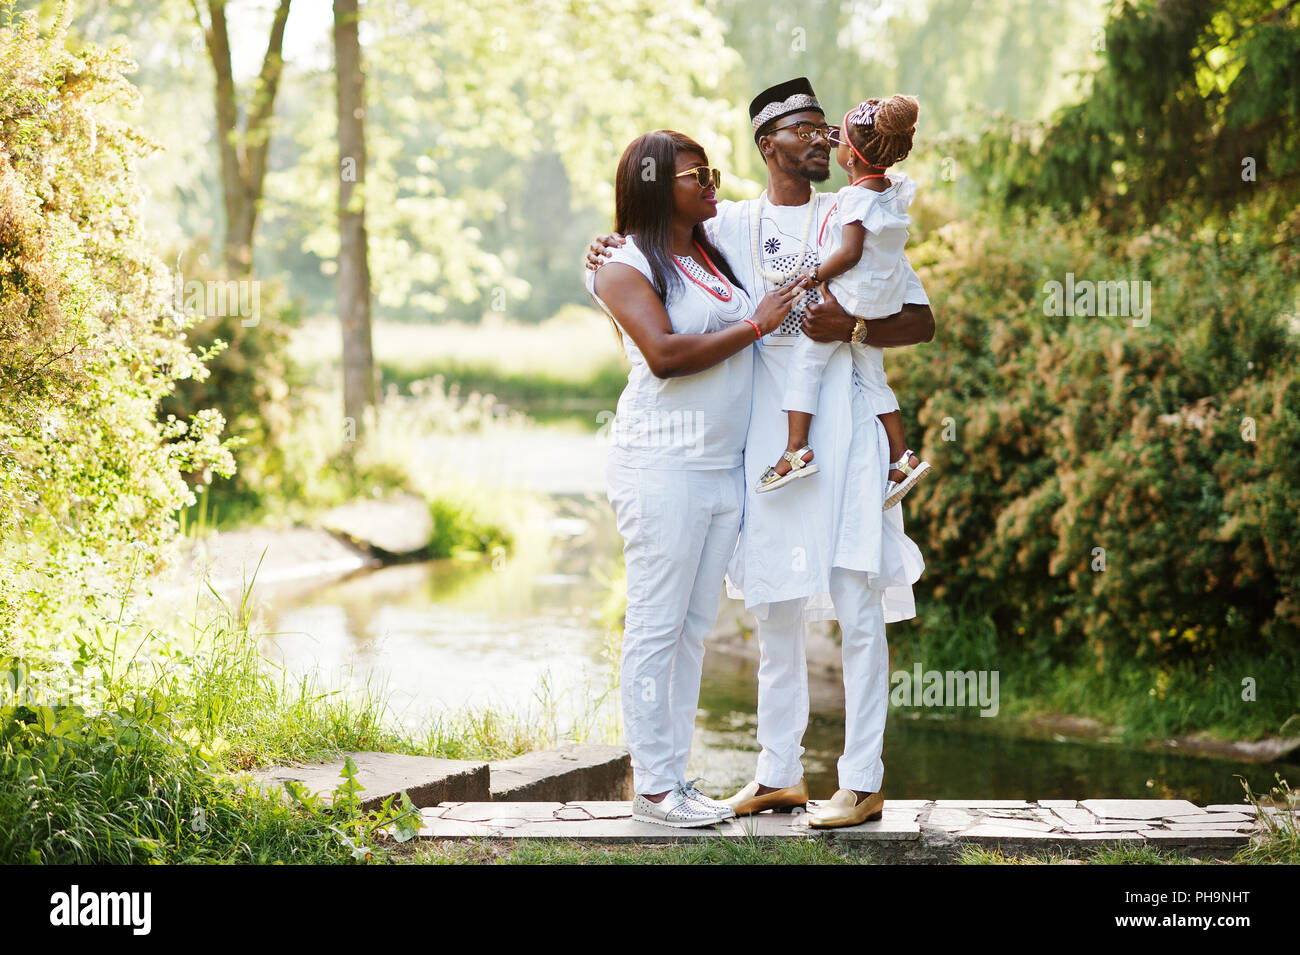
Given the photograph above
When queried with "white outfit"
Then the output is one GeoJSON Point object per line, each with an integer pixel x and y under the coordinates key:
{"type": "Point", "coordinates": [822, 547]}
{"type": "Point", "coordinates": [874, 288]}
{"type": "Point", "coordinates": [676, 484]}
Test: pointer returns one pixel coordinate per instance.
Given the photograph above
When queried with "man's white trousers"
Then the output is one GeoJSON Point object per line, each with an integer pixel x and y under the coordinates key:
{"type": "Point", "coordinates": [783, 686]}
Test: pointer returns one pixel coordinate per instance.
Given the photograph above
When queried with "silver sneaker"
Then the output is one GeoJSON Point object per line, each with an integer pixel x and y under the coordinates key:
{"type": "Point", "coordinates": [679, 810]}
{"type": "Point", "coordinates": [708, 802]}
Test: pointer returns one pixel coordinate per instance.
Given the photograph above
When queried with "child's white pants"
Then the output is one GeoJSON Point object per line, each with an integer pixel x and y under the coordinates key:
{"type": "Point", "coordinates": [783, 686]}
{"type": "Point", "coordinates": [679, 529]}
{"type": "Point", "coordinates": [808, 361]}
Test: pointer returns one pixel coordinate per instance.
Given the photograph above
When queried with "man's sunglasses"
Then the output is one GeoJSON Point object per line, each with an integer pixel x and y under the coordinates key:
{"type": "Point", "coordinates": [806, 131]}
{"type": "Point", "coordinates": [704, 176]}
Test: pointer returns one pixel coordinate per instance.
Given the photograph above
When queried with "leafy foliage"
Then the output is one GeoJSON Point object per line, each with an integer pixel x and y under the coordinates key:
{"type": "Point", "coordinates": [1197, 100]}
{"type": "Point", "coordinates": [1171, 446]}
{"type": "Point", "coordinates": [89, 338]}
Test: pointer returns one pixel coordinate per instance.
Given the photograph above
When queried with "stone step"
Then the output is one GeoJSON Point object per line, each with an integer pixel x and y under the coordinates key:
{"type": "Point", "coordinates": [586, 771]}
{"type": "Point", "coordinates": [428, 781]}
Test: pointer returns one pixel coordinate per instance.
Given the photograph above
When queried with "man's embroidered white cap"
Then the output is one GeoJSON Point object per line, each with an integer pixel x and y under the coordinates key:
{"type": "Point", "coordinates": [792, 96]}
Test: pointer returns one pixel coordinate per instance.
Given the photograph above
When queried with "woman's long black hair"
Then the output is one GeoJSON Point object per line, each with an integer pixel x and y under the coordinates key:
{"type": "Point", "coordinates": [643, 205]}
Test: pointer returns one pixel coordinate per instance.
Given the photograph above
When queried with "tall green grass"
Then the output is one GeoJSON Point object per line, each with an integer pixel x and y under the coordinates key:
{"type": "Point", "coordinates": [128, 750]}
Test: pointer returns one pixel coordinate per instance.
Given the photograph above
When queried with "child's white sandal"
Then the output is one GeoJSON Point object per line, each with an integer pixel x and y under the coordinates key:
{"type": "Point", "coordinates": [896, 490]}
{"type": "Point", "coordinates": [770, 480]}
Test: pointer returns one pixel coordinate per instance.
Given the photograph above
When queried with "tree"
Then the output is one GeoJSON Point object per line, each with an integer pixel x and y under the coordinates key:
{"type": "Point", "coordinates": [243, 155]}
{"type": "Point", "coordinates": [354, 268]}
{"type": "Point", "coordinates": [1195, 100]}
{"type": "Point", "coordinates": [479, 118]}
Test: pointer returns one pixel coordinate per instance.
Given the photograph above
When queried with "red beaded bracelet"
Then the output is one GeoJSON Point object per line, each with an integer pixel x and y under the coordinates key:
{"type": "Point", "coordinates": [757, 332]}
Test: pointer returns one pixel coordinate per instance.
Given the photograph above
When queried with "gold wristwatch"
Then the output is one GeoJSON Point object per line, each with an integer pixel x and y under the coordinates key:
{"type": "Point", "coordinates": [859, 336]}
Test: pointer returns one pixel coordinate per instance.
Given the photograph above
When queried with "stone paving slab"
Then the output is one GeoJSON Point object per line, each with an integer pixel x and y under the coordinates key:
{"type": "Point", "coordinates": [901, 815]}
{"type": "Point", "coordinates": [397, 526]}
{"type": "Point", "coordinates": [914, 830]}
{"type": "Point", "coordinates": [1075, 817]}
{"type": "Point", "coordinates": [1138, 808]}
{"type": "Point", "coordinates": [991, 830]}
{"type": "Point", "coordinates": [604, 809]}
{"type": "Point", "coordinates": [1185, 826]}
{"type": "Point", "coordinates": [1098, 838]}
{"type": "Point", "coordinates": [949, 819]}
{"type": "Point", "coordinates": [503, 812]}
{"type": "Point", "coordinates": [1198, 837]}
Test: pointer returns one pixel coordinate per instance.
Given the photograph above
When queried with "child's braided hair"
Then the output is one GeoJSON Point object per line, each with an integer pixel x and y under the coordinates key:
{"type": "Point", "coordinates": [882, 130]}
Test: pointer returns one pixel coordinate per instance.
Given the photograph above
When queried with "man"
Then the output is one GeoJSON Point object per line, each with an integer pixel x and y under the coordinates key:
{"type": "Point", "coordinates": [821, 548]}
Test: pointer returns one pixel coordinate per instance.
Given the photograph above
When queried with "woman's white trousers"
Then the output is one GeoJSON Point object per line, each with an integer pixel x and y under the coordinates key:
{"type": "Point", "coordinates": [679, 529]}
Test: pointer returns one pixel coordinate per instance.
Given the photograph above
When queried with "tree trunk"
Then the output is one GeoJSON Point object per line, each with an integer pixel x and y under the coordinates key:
{"type": "Point", "coordinates": [243, 157]}
{"type": "Point", "coordinates": [354, 268]}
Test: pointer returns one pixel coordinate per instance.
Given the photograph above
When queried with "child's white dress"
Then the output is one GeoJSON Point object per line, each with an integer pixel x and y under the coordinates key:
{"type": "Point", "coordinates": [873, 288]}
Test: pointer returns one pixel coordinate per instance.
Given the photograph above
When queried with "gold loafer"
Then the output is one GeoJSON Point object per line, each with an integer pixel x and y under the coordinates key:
{"type": "Point", "coordinates": [840, 810]}
{"type": "Point", "coordinates": [747, 802]}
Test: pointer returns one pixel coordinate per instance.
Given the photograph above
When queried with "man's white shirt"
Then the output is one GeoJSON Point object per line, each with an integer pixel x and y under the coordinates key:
{"type": "Point", "coordinates": [791, 537]}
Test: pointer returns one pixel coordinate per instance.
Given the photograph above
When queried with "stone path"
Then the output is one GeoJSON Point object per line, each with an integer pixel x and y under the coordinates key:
{"type": "Point", "coordinates": [912, 830]}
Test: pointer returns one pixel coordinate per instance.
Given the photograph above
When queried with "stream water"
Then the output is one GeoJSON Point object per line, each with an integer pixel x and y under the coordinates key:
{"type": "Point", "coordinates": [525, 634]}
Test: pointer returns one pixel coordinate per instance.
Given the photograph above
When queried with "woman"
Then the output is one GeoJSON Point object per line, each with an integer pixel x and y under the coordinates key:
{"type": "Point", "coordinates": [675, 470]}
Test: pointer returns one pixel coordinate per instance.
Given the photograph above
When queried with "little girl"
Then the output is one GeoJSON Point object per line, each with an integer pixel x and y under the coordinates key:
{"type": "Point", "coordinates": [866, 279]}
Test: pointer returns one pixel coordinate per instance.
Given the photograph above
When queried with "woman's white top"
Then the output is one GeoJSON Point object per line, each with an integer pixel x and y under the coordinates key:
{"type": "Point", "coordinates": [696, 421]}
{"type": "Point", "coordinates": [876, 286]}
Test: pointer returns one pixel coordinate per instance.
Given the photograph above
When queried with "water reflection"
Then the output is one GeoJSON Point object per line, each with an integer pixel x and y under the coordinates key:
{"type": "Point", "coordinates": [959, 758]}
{"type": "Point", "coordinates": [522, 636]}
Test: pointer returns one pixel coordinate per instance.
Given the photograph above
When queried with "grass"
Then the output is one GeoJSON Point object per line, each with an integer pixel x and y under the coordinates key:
{"type": "Point", "coordinates": [1279, 843]}
{"type": "Point", "coordinates": [1110, 855]}
{"type": "Point", "coordinates": [123, 751]}
{"type": "Point", "coordinates": [564, 369]}
{"type": "Point", "coordinates": [574, 852]}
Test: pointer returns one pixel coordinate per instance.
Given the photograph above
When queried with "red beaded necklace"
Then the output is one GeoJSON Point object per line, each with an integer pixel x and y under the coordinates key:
{"type": "Point", "coordinates": [822, 230]}
{"type": "Point", "coordinates": [712, 268]}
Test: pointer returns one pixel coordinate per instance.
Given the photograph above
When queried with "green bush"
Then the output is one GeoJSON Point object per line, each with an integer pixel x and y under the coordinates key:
{"type": "Point", "coordinates": [249, 379]}
{"type": "Point", "coordinates": [1171, 446]}
{"type": "Point", "coordinates": [89, 338]}
{"type": "Point", "coordinates": [459, 528]}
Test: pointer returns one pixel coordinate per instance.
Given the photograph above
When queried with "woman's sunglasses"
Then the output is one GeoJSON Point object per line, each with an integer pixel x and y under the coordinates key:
{"type": "Point", "coordinates": [705, 176]}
